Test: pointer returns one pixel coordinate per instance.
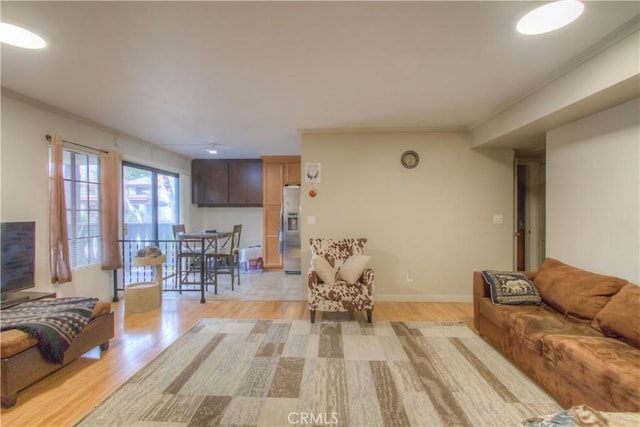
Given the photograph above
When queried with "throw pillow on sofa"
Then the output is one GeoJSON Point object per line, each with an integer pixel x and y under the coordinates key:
{"type": "Point", "coordinates": [511, 288]}
{"type": "Point", "coordinates": [575, 292]}
{"type": "Point", "coordinates": [620, 318]}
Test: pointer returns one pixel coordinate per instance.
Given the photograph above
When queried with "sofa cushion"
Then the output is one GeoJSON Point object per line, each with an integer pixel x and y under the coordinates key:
{"type": "Point", "coordinates": [340, 291]}
{"type": "Point", "coordinates": [511, 288]}
{"type": "Point", "coordinates": [532, 326]}
{"type": "Point", "coordinates": [528, 324]}
{"type": "Point", "coordinates": [500, 314]}
{"type": "Point", "coordinates": [573, 291]}
{"type": "Point", "coordinates": [620, 318]}
{"type": "Point", "coordinates": [604, 365]}
{"type": "Point", "coordinates": [13, 341]}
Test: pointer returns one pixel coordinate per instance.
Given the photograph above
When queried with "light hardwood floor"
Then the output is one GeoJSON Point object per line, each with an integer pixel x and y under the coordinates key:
{"type": "Point", "coordinates": [66, 396]}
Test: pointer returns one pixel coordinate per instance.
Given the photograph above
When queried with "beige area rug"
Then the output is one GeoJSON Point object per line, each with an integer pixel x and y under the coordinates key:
{"type": "Point", "coordinates": [283, 373]}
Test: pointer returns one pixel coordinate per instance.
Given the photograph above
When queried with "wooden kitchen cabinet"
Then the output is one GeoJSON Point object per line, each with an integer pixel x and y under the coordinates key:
{"type": "Point", "coordinates": [245, 183]}
{"type": "Point", "coordinates": [209, 182]}
{"type": "Point", "coordinates": [272, 183]}
{"type": "Point", "coordinates": [271, 258]}
{"type": "Point", "coordinates": [292, 173]}
{"type": "Point", "coordinates": [226, 182]}
{"type": "Point", "coordinates": [278, 171]}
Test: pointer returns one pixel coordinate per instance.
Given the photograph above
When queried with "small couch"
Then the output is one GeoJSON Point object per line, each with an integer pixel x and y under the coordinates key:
{"type": "Point", "coordinates": [22, 363]}
{"type": "Point", "coordinates": [582, 344]}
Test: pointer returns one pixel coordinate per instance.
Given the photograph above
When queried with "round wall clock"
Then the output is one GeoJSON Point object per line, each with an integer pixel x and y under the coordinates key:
{"type": "Point", "coordinates": [409, 159]}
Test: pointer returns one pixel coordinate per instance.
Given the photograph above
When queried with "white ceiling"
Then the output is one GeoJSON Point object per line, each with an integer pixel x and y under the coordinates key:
{"type": "Point", "coordinates": [249, 75]}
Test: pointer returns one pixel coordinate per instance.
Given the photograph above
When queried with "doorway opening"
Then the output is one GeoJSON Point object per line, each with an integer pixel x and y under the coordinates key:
{"type": "Point", "coordinates": [529, 240]}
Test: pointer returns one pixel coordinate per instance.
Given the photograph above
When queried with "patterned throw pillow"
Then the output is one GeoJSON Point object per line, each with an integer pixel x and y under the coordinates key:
{"type": "Point", "coordinates": [511, 288]}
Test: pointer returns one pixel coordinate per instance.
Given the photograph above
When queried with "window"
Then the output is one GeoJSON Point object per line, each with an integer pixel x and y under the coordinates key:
{"type": "Point", "coordinates": [82, 194]}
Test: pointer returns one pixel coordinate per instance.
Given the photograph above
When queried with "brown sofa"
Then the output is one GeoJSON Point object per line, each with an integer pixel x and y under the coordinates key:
{"type": "Point", "coordinates": [22, 364]}
{"type": "Point", "coordinates": [582, 344]}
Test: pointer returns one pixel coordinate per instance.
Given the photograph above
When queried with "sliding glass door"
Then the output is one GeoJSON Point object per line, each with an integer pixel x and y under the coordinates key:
{"type": "Point", "coordinates": [151, 203]}
{"type": "Point", "coordinates": [151, 207]}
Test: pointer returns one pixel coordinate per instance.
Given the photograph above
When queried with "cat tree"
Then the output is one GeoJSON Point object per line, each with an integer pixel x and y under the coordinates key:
{"type": "Point", "coordinates": [145, 296]}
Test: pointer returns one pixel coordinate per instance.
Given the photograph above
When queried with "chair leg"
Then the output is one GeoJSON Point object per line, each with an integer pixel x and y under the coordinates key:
{"type": "Point", "coordinates": [369, 315]}
{"type": "Point", "coordinates": [313, 316]}
{"type": "Point", "coordinates": [237, 262]}
{"type": "Point", "coordinates": [215, 275]}
{"type": "Point", "coordinates": [231, 271]}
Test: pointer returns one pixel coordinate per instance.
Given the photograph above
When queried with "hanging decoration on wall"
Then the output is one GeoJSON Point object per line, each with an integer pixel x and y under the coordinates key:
{"type": "Point", "coordinates": [312, 176]}
{"type": "Point", "coordinates": [312, 172]}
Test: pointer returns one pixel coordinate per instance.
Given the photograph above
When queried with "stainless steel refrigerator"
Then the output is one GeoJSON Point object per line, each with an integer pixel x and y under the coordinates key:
{"type": "Point", "coordinates": [291, 229]}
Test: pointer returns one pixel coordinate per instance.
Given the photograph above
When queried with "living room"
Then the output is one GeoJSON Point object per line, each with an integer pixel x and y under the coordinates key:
{"type": "Point", "coordinates": [451, 215]}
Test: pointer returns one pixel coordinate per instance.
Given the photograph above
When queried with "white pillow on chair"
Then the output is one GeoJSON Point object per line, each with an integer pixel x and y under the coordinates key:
{"type": "Point", "coordinates": [353, 268]}
{"type": "Point", "coordinates": [323, 269]}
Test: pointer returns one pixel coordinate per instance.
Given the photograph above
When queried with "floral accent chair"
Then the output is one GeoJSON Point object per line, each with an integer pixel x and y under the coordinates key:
{"type": "Point", "coordinates": [339, 279]}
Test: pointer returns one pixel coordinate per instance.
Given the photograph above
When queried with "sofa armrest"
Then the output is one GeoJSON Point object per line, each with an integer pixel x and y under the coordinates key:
{"type": "Point", "coordinates": [480, 290]}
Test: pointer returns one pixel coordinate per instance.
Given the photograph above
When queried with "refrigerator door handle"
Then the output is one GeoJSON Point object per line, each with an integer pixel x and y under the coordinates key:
{"type": "Point", "coordinates": [281, 232]}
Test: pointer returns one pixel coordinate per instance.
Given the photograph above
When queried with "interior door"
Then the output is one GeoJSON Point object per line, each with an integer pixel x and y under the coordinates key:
{"type": "Point", "coordinates": [529, 242]}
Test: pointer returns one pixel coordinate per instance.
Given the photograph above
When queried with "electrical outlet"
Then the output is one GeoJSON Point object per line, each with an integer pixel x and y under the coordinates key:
{"type": "Point", "coordinates": [409, 277]}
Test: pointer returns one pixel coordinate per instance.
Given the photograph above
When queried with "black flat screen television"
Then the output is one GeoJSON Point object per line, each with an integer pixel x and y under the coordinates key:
{"type": "Point", "coordinates": [17, 259]}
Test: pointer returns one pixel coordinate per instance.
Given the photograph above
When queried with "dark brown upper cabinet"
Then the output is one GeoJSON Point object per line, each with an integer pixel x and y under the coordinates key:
{"type": "Point", "coordinates": [226, 182]}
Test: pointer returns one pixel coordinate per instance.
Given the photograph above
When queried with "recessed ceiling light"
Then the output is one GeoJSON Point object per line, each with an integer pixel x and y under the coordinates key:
{"type": "Point", "coordinates": [550, 17]}
{"type": "Point", "coordinates": [18, 36]}
{"type": "Point", "coordinates": [211, 150]}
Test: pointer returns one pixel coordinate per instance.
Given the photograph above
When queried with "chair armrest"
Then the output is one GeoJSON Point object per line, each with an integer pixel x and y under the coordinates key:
{"type": "Point", "coordinates": [368, 279]}
{"type": "Point", "coordinates": [368, 276]}
{"type": "Point", "coordinates": [312, 278]}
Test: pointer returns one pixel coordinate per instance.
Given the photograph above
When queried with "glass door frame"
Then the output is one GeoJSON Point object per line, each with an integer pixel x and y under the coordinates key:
{"type": "Point", "coordinates": [131, 245]}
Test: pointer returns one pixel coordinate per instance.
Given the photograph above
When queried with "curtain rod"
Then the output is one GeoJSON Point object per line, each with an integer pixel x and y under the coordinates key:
{"type": "Point", "coordinates": [48, 137]}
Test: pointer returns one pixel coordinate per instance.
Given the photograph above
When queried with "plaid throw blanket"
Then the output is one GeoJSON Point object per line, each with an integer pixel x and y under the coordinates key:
{"type": "Point", "coordinates": [54, 323]}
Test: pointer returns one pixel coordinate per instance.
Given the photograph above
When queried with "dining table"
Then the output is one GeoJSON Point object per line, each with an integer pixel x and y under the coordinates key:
{"type": "Point", "coordinates": [204, 244]}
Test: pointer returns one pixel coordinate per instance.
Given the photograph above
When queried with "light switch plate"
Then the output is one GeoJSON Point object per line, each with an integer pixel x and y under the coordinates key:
{"type": "Point", "coordinates": [498, 219]}
{"type": "Point", "coordinates": [311, 219]}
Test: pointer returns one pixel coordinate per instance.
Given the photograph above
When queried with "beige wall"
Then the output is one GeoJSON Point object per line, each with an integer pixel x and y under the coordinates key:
{"type": "Point", "coordinates": [223, 219]}
{"type": "Point", "coordinates": [434, 222]}
{"type": "Point", "coordinates": [24, 181]}
{"type": "Point", "coordinates": [593, 192]}
{"type": "Point", "coordinates": [24, 186]}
